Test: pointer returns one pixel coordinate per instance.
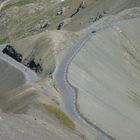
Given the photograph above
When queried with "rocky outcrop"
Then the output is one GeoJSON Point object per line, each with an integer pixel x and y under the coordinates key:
{"type": "Point", "coordinates": [60, 25]}
{"type": "Point", "coordinates": [32, 64]}
{"type": "Point", "coordinates": [81, 6]}
{"type": "Point", "coordinates": [9, 50]}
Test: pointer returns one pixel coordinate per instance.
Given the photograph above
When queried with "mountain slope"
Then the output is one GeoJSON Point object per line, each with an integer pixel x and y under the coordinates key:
{"type": "Point", "coordinates": [106, 75]}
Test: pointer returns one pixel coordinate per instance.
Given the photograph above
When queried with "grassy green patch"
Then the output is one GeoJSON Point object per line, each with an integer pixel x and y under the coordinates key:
{"type": "Point", "coordinates": [59, 114]}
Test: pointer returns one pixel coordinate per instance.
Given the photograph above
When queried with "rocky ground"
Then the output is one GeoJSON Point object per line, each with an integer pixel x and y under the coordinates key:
{"type": "Point", "coordinates": [23, 127]}
{"type": "Point", "coordinates": [44, 30]}
{"type": "Point", "coordinates": [42, 15]}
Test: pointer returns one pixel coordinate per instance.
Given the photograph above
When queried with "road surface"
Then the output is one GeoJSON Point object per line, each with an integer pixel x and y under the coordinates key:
{"type": "Point", "coordinates": [30, 76]}
{"type": "Point", "coordinates": [60, 77]}
{"type": "Point", "coordinates": [69, 94]}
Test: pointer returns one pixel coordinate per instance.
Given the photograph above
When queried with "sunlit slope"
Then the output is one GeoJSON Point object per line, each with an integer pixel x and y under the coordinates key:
{"type": "Point", "coordinates": [23, 18]}
{"type": "Point", "coordinates": [46, 48]}
{"type": "Point", "coordinates": [106, 73]}
{"type": "Point", "coordinates": [21, 127]}
{"type": "Point", "coordinates": [10, 77]}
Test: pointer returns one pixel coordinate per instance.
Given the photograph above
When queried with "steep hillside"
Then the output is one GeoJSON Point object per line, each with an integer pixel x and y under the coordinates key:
{"type": "Point", "coordinates": [10, 78]}
{"type": "Point", "coordinates": [106, 74]}
{"type": "Point", "coordinates": [47, 48]}
{"type": "Point", "coordinates": [19, 127]}
{"type": "Point", "coordinates": [33, 98]}
{"type": "Point", "coordinates": [22, 18]}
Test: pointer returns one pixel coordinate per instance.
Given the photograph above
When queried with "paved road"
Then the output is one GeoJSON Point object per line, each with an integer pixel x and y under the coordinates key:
{"type": "Point", "coordinates": [60, 77]}
{"type": "Point", "coordinates": [69, 94]}
{"type": "Point", "coordinates": [30, 76]}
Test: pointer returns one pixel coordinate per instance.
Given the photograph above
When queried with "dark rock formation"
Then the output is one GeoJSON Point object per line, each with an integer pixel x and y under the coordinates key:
{"type": "Point", "coordinates": [34, 66]}
{"type": "Point", "coordinates": [60, 12]}
{"type": "Point", "coordinates": [9, 50]}
{"type": "Point", "coordinates": [44, 24]}
{"type": "Point", "coordinates": [60, 25]}
{"type": "Point", "coordinates": [81, 6]}
{"type": "Point", "coordinates": [93, 32]}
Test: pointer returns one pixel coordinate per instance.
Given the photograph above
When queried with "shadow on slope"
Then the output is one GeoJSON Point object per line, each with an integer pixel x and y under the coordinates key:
{"type": "Point", "coordinates": [10, 78]}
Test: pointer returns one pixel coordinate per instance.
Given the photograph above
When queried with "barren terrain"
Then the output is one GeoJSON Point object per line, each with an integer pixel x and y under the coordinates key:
{"type": "Point", "coordinates": [88, 85]}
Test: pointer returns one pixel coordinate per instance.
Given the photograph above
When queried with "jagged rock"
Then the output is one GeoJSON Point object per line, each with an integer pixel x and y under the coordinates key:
{"type": "Point", "coordinates": [81, 6]}
{"type": "Point", "coordinates": [44, 24]}
{"type": "Point", "coordinates": [61, 11]}
{"type": "Point", "coordinates": [34, 66]}
{"type": "Point", "coordinates": [60, 25]}
{"type": "Point", "coordinates": [9, 50]}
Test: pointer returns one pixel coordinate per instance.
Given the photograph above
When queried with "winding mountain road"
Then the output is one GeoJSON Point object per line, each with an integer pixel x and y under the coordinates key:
{"type": "Point", "coordinates": [60, 77]}
{"type": "Point", "coordinates": [62, 83]}
{"type": "Point", "coordinates": [69, 94]}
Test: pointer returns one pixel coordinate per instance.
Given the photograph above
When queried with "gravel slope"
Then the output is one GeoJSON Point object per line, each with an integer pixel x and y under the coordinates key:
{"type": "Point", "coordinates": [18, 96]}
{"type": "Point", "coordinates": [24, 127]}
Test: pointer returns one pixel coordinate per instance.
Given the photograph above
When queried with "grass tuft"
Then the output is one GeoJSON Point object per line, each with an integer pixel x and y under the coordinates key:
{"type": "Point", "coordinates": [59, 114]}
